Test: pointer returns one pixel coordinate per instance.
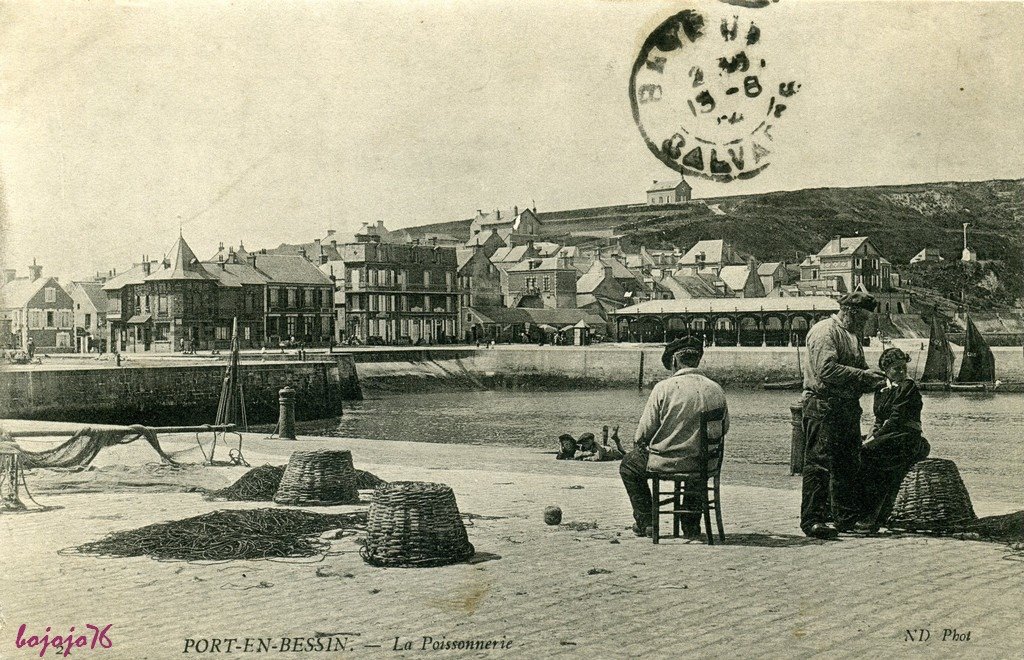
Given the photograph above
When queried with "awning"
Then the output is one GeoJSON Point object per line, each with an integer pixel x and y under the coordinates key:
{"type": "Point", "coordinates": [139, 319]}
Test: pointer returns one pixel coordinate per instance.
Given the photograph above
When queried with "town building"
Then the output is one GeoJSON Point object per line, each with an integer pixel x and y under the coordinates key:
{"type": "Point", "coordinates": [480, 287]}
{"type": "Point", "coordinates": [514, 228]}
{"type": "Point", "coordinates": [400, 293]}
{"type": "Point", "coordinates": [773, 274]}
{"type": "Point", "coordinates": [181, 303]}
{"type": "Point", "coordinates": [742, 281]}
{"type": "Point", "coordinates": [843, 264]}
{"type": "Point", "coordinates": [707, 258]}
{"type": "Point", "coordinates": [90, 316]}
{"type": "Point", "coordinates": [669, 192]}
{"type": "Point", "coordinates": [542, 283]}
{"type": "Point", "coordinates": [488, 240]}
{"type": "Point", "coordinates": [36, 309]}
{"type": "Point", "coordinates": [299, 299]}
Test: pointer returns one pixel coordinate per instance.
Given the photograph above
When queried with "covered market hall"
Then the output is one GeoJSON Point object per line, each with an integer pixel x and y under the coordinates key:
{"type": "Point", "coordinates": [781, 321]}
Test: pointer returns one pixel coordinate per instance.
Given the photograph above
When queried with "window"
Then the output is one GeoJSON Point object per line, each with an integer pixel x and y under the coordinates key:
{"type": "Point", "coordinates": [63, 340]}
{"type": "Point", "coordinates": [162, 305]}
{"type": "Point", "coordinates": [547, 283]}
{"type": "Point", "coordinates": [35, 319]}
{"type": "Point", "coordinates": [247, 333]}
{"type": "Point", "coordinates": [448, 280]}
{"type": "Point", "coordinates": [50, 294]}
{"type": "Point", "coordinates": [160, 331]}
{"type": "Point", "coordinates": [325, 326]}
{"type": "Point", "coordinates": [273, 297]}
{"type": "Point", "coordinates": [88, 320]}
{"type": "Point", "coordinates": [309, 298]}
{"type": "Point", "coordinates": [426, 278]}
{"type": "Point", "coordinates": [426, 303]}
{"type": "Point", "coordinates": [292, 321]}
{"type": "Point", "coordinates": [291, 297]}
{"type": "Point", "coordinates": [51, 320]}
{"type": "Point", "coordinates": [66, 318]}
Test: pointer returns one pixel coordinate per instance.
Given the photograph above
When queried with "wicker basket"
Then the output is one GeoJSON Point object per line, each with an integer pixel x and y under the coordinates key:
{"type": "Point", "coordinates": [321, 477]}
{"type": "Point", "coordinates": [932, 497]}
{"type": "Point", "coordinates": [414, 523]}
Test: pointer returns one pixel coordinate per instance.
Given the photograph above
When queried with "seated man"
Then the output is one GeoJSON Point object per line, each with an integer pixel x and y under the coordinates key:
{"type": "Point", "coordinates": [895, 443]}
{"type": "Point", "coordinates": [668, 436]}
{"type": "Point", "coordinates": [567, 447]}
{"type": "Point", "coordinates": [589, 450]}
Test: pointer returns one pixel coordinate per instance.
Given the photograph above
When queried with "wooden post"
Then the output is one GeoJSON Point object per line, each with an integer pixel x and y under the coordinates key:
{"type": "Point", "coordinates": [286, 415]}
{"type": "Point", "coordinates": [640, 376]}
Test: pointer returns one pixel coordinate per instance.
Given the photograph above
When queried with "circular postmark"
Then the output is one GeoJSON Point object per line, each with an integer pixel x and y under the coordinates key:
{"type": "Point", "coordinates": [703, 95]}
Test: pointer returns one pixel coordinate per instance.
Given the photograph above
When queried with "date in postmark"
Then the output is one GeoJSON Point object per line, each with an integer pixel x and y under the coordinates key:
{"type": "Point", "coordinates": [703, 93]}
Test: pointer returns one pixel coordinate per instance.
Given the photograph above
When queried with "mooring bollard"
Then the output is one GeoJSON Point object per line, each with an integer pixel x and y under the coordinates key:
{"type": "Point", "coordinates": [796, 451]}
{"type": "Point", "coordinates": [286, 416]}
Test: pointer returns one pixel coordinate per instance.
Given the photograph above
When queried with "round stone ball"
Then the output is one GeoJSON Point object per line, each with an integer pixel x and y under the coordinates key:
{"type": "Point", "coordinates": [552, 515]}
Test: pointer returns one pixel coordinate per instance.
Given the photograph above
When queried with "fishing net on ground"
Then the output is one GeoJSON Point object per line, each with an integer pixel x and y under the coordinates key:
{"type": "Point", "coordinates": [229, 534]}
{"type": "Point", "coordinates": [261, 483]}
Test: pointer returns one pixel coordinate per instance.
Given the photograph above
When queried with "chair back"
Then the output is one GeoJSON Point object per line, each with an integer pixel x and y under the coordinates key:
{"type": "Point", "coordinates": [712, 442]}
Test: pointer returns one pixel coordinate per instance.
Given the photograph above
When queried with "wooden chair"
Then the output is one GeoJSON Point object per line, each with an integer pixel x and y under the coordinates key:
{"type": "Point", "coordinates": [712, 449]}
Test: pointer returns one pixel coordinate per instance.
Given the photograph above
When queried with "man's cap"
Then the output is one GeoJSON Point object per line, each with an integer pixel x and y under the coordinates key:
{"type": "Point", "coordinates": [586, 437]}
{"type": "Point", "coordinates": [891, 356]}
{"type": "Point", "coordinates": [565, 437]}
{"type": "Point", "coordinates": [692, 346]}
{"type": "Point", "coordinates": [858, 299]}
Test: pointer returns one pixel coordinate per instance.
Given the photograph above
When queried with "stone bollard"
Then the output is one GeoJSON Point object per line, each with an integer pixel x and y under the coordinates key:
{"type": "Point", "coordinates": [796, 451]}
{"type": "Point", "coordinates": [286, 416]}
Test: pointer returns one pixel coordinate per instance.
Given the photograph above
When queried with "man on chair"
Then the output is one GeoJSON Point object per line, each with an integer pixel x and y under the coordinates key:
{"type": "Point", "coordinates": [668, 436]}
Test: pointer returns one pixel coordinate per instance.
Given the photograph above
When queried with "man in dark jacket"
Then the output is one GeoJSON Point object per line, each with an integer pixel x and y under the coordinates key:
{"type": "Point", "coordinates": [895, 443]}
{"type": "Point", "coordinates": [835, 377]}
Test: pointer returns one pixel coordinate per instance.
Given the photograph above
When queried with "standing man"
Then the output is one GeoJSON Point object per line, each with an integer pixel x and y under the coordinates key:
{"type": "Point", "coordinates": [835, 377]}
{"type": "Point", "coordinates": [668, 436]}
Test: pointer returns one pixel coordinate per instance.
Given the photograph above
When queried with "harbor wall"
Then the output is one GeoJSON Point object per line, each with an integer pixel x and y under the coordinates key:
{"type": "Point", "coordinates": [168, 395]}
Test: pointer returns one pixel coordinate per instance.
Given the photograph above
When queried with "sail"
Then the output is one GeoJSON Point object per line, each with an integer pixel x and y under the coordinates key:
{"type": "Point", "coordinates": [938, 366]}
{"type": "Point", "coordinates": [979, 365]}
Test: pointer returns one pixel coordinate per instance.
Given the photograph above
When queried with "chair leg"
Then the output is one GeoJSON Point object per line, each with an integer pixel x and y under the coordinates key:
{"type": "Point", "coordinates": [655, 508]}
{"type": "Point", "coordinates": [718, 511]}
{"type": "Point", "coordinates": [676, 505]}
{"type": "Point", "coordinates": [705, 505]}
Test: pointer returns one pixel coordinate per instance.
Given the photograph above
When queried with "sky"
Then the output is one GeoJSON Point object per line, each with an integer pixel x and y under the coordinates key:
{"type": "Point", "coordinates": [272, 122]}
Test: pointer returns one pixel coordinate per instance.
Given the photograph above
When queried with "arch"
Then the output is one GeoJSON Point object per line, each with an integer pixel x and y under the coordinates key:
{"type": "Point", "coordinates": [750, 331]}
{"type": "Point", "coordinates": [774, 329]}
{"type": "Point", "coordinates": [798, 327]}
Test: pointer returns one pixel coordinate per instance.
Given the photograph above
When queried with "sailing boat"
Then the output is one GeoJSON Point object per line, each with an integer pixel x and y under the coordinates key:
{"type": "Point", "coordinates": [938, 366]}
{"type": "Point", "coordinates": [978, 368]}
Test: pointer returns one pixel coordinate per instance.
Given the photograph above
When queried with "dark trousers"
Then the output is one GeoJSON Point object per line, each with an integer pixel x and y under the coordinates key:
{"type": "Point", "coordinates": [633, 471]}
{"type": "Point", "coordinates": [831, 488]}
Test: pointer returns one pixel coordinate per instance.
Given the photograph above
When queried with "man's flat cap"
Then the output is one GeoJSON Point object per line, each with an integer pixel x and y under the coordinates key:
{"type": "Point", "coordinates": [858, 299]}
{"type": "Point", "coordinates": [684, 345]}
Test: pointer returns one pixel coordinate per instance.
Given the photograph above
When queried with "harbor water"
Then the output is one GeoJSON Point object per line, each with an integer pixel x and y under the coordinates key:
{"type": "Point", "coordinates": [981, 432]}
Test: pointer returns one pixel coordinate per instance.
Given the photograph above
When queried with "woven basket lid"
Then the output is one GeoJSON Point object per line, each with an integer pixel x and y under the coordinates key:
{"type": "Point", "coordinates": [415, 523]}
{"type": "Point", "coordinates": [932, 497]}
{"type": "Point", "coordinates": [320, 477]}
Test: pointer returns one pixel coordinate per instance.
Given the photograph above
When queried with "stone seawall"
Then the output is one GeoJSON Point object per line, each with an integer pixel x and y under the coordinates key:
{"type": "Point", "coordinates": [170, 395]}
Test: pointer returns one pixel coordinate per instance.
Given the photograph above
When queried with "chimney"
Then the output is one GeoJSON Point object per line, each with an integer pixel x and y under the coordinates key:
{"type": "Point", "coordinates": [9, 274]}
{"type": "Point", "coordinates": [302, 253]}
{"type": "Point", "coordinates": [497, 214]}
{"type": "Point", "coordinates": [380, 224]}
{"type": "Point", "coordinates": [252, 260]}
{"type": "Point", "coordinates": [515, 211]}
{"type": "Point", "coordinates": [331, 232]}
{"type": "Point", "coordinates": [839, 243]}
{"type": "Point", "coordinates": [146, 265]}
{"type": "Point", "coordinates": [220, 246]}
{"type": "Point", "coordinates": [35, 271]}
{"type": "Point", "coordinates": [607, 272]}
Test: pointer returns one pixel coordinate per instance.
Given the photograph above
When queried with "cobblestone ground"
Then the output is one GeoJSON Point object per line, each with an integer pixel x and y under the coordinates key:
{"type": "Point", "coordinates": [549, 591]}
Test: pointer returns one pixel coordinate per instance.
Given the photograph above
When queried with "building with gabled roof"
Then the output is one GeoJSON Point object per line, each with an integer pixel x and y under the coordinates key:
{"type": "Point", "coordinates": [846, 262]}
{"type": "Point", "coordinates": [669, 192]}
{"type": "Point", "coordinates": [708, 256]}
{"type": "Point", "coordinates": [90, 316]}
{"type": "Point", "coordinates": [35, 309]}
{"type": "Point", "coordinates": [742, 281]}
{"type": "Point", "coordinates": [537, 282]}
{"type": "Point", "coordinates": [488, 239]}
{"type": "Point", "coordinates": [515, 227]}
{"type": "Point", "coordinates": [926, 254]}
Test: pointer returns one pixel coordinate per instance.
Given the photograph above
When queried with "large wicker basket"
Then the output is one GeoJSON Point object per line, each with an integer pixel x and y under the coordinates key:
{"type": "Point", "coordinates": [933, 498]}
{"type": "Point", "coordinates": [415, 523]}
{"type": "Point", "coordinates": [321, 477]}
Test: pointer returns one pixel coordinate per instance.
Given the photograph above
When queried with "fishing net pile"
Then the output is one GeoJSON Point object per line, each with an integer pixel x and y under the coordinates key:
{"type": "Point", "coordinates": [1008, 528]}
{"type": "Point", "coordinates": [230, 534]}
{"type": "Point", "coordinates": [261, 483]}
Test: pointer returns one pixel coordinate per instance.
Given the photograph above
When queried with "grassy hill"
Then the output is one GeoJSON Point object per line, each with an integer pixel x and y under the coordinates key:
{"type": "Point", "coordinates": [901, 220]}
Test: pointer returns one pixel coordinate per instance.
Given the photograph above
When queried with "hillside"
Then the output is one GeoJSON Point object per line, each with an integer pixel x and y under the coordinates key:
{"type": "Point", "coordinates": [901, 220]}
